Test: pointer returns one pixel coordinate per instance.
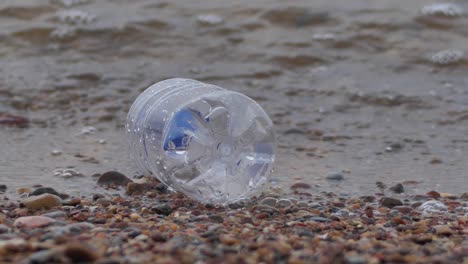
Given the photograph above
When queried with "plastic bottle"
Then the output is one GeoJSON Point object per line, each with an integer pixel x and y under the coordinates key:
{"type": "Point", "coordinates": [214, 145]}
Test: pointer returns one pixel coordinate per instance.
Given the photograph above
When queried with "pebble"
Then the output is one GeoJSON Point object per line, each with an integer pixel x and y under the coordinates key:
{"type": "Point", "coordinates": [3, 188]}
{"type": "Point", "coordinates": [433, 194]}
{"type": "Point", "coordinates": [210, 19]}
{"type": "Point", "coordinates": [56, 214]}
{"type": "Point", "coordinates": [300, 185]}
{"type": "Point", "coordinates": [403, 209]}
{"type": "Point", "coordinates": [433, 206]}
{"type": "Point", "coordinates": [135, 188]}
{"type": "Point", "coordinates": [72, 202]}
{"type": "Point", "coordinates": [43, 201]}
{"type": "Point", "coordinates": [390, 202]}
{"type": "Point", "coordinates": [71, 253]}
{"type": "Point", "coordinates": [4, 229]}
{"type": "Point", "coordinates": [320, 219]}
{"type": "Point", "coordinates": [162, 209]}
{"type": "Point", "coordinates": [13, 245]}
{"type": "Point", "coordinates": [113, 178]}
{"type": "Point", "coordinates": [398, 188]}
{"type": "Point", "coordinates": [284, 203]}
{"type": "Point", "coordinates": [104, 202]}
{"type": "Point", "coordinates": [464, 196]}
{"type": "Point", "coordinates": [33, 221]}
{"type": "Point", "coordinates": [270, 201]}
{"type": "Point", "coordinates": [336, 176]}
{"type": "Point", "coordinates": [217, 218]}
{"type": "Point", "coordinates": [23, 190]}
{"type": "Point", "coordinates": [43, 190]}
{"type": "Point", "coordinates": [443, 230]}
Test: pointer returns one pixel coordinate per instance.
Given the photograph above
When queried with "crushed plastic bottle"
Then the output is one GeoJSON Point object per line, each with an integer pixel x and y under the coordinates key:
{"type": "Point", "coordinates": [214, 145]}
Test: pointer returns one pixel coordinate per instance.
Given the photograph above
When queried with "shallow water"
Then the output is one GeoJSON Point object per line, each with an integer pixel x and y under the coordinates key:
{"type": "Point", "coordinates": [360, 88]}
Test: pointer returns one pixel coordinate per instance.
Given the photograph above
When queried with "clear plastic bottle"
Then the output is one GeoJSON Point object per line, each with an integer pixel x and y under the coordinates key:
{"type": "Point", "coordinates": [216, 146]}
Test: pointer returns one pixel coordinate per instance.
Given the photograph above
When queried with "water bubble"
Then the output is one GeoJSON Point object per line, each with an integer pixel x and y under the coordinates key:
{"type": "Point", "coordinates": [324, 36]}
{"type": "Point", "coordinates": [446, 57]}
{"type": "Point", "coordinates": [433, 206]}
{"type": "Point", "coordinates": [442, 9]}
{"type": "Point", "coordinates": [66, 173]}
{"type": "Point", "coordinates": [69, 3]}
{"type": "Point", "coordinates": [62, 33]}
{"type": "Point", "coordinates": [56, 152]}
{"type": "Point", "coordinates": [210, 19]}
{"type": "Point", "coordinates": [75, 16]}
{"type": "Point", "coordinates": [88, 130]}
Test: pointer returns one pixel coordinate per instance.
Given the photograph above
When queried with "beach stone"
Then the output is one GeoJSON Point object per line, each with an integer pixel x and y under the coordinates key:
{"type": "Point", "coordinates": [320, 219]}
{"type": "Point", "coordinates": [4, 229]}
{"type": "Point", "coordinates": [133, 187]}
{"type": "Point", "coordinates": [72, 202]}
{"type": "Point", "coordinates": [113, 178]}
{"type": "Point", "coordinates": [43, 190]}
{"type": "Point", "coordinates": [284, 203]}
{"type": "Point", "coordinates": [464, 196]}
{"type": "Point", "coordinates": [78, 228]}
{"type": "Point", "coordinates": [56, 214]}
{"type": "Point", "coordinates": [443, 230]}
{"type": "Point", "coordinates": [15, 245]}
{"type": "Point", "coordinates": [300, 185]}
{"type": "Point", "coordinates": [3, 188]}
{"type": "Point", "coordinates": [23, 190]}
{"type": "Point", "coordinates": [403, 209]}
{"type": "Point", "coordinates": [78, 253]}
{"type": "Point", "coordinates": [161, 188]}
{"type": "Point", "coordinates": [217, 218]}
{"type": "Point", "coordinates": [33, 221]}
{"type": "Point", "coordinates": [96, 196]}
{"type": "Point", "coordinates": [270, 201]}
{"type": "Point", "coordinates": [397, 188]}
{"type": "Point", "coordinates": [104, 202]}
{"type": "Point", "coordinates": [162, 209]}
{"type": "Point", "coordinates": [47, 256]}
{"type": "Point", "coordinates": [433, 194]}
{"type": "Point", "coordinates": [43, 201]}
{"type": "Point", "coordinates": [336, 176]}
{"type": "Point", "coordinates": [448, 196]}
{"type": "Point", "coordinates": [390, 202]}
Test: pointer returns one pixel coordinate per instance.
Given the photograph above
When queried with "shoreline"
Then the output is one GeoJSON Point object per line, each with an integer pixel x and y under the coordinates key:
{"type": "Point", "coordinates": [151, 224]}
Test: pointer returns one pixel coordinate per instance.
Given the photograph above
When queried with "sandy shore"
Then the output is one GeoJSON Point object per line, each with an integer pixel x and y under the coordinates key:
{"type": "Point", "coordinates": [149, 224]}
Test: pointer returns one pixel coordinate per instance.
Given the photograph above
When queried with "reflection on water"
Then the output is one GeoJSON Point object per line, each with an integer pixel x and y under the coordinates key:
{"type": "Point", "coordinates": [343, 83]}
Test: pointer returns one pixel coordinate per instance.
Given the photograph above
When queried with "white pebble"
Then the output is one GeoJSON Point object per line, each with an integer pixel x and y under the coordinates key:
{"type": "Point", "coordinates": [445, 57]}
{"type": "Point", "coordinates": [444, 9]}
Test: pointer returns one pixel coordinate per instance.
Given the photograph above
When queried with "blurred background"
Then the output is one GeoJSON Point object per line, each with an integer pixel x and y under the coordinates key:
{"type": "Point", "coordinates": [361, 90]}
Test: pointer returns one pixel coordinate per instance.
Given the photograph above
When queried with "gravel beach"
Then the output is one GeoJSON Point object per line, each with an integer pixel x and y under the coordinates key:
{"type": "Point", "coordinates": [146, 223]}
